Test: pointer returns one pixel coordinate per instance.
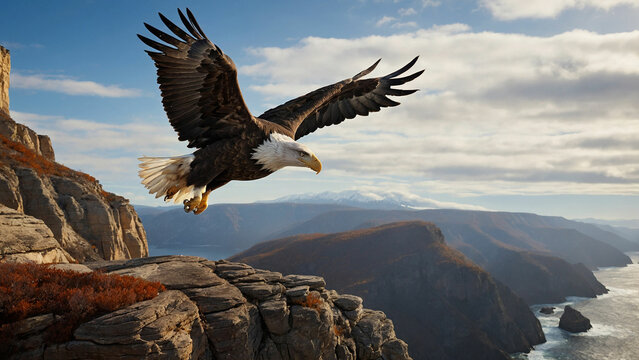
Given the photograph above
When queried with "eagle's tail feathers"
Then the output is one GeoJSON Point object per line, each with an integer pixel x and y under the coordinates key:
{"type": "Point", "coordinates": [167, 176]}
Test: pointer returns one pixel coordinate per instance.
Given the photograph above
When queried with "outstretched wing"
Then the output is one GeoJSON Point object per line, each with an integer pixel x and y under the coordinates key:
{"type": "Point", "coordinates": [200, 92]}
{"type": "Point", "coordinates": [346, 99]}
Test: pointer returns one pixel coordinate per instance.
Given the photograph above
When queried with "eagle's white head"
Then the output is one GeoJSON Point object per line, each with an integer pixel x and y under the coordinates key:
{"type": "Point", "coordinates": [280, 150]}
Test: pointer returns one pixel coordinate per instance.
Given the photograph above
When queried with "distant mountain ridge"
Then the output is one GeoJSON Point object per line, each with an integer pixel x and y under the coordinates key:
{"type": "Point", "coordinates": [529, 243]}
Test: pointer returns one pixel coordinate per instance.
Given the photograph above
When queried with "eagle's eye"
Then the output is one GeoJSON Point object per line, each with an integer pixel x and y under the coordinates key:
{"type": "Point", "coordinates": [302, 153]}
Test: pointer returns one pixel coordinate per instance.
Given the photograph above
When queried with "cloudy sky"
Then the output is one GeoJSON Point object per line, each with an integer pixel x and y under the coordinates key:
{"type": "Point", "coordinates": [525, 105]}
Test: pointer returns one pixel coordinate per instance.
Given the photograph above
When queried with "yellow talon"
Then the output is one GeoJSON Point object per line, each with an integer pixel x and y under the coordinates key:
{"type": "Point", "coordinates": [204, 203]}
{"type": "Point", "coordinates": [189, 205]}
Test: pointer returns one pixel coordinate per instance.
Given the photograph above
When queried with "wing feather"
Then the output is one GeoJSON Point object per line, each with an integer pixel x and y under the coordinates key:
{"type": "Point", "coordinates": [198, 82]}
{"type": "Point", "coordinates": [346, 99]}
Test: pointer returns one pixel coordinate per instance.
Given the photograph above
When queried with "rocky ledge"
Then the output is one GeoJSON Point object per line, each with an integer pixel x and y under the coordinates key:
{"type": "Point", "coordinates": [224, 310]}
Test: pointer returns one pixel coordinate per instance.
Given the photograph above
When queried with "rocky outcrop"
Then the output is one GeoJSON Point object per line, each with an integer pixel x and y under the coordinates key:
{"type": "Point", "coordinates": [24, 238]}
{"type": "Point", "coordinates": [573, 321]}
{"type": "Point", "coordinates": [86, 223]}
{"type": "Point", "coordinates": [223, 310]}
{"type": "Point", "coordinates": [5, 68]}
{"type": "Point", "coordinates": [444, 306]}
{"type": "Point", "coordinates": [39, 144]}
{"type": "Point", "coordinates": [547, 310]}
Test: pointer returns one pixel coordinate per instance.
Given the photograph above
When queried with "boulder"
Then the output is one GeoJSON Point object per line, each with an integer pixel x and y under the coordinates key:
{"type": "Point", "coordinates": [547, 310]}
{"type": "Point", "coordinates": [573, 321]}
{"type": "Point", "coordinates": [166, 327]}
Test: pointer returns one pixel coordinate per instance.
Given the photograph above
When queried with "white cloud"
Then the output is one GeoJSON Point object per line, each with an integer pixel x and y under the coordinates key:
{"type": "Point", "coordinates": [401, 25]}
{"type": "Point", "coordinates": [384, 20]}
{"type": "Point", "coordinates": [69, 86]}
{"type": "Point", "coordinates": [431, 3]}
{"type": "Point", "coordinates": [406, 12]}
{"type": "Point", "coordinates": [498, 113]}
{"type": "Point", "coordinates": [516, 9]}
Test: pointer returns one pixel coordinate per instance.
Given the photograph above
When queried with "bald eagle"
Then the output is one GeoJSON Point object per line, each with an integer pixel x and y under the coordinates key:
{"type": "Point", "coordinates": [204, 104]}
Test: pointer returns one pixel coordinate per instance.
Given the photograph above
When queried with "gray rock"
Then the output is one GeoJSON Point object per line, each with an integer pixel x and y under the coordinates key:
{"type": "Point", "coordinates": [348, 302]}
{"type": "Point", "coordinates": [175, 274]}
{"type": "Point", "coordinates": [275, 314]}
{"type": "Point", "coordinates": [260, 291]}
{"type": "Point", "coordinates": [230, 275]}
{"type": "Point", "coordinates": [573, 321]}
{"type": "Point", "coordinates": [547, 310]}
{"type": "Point", "coordinates": [228, 331]}
{"type": "Point", "coordinates": [298, 292]}
{"type": "Point", "coordinates": [395, 349]}
{"type": "Point", "coordinates": [167, 327]}
{"type": "Point", "coordinates": [24, 238]}
{"type": "Point", "coordinates": [313, 282]}
{"type": "Point", "coordinates": [216, 298]}
{"type": "Point", "coordinates": [354, 315]}
{"type": "Point", "coordinates": [371, 333]}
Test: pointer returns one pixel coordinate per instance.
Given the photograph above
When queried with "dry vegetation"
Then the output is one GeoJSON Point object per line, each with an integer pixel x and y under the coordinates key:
{"type": "Point", "coordinates": [28, 290]}
{"type": "Point", "coordinates": [313, 301]}
{"type": "Point", "coordinates": [15, 153]}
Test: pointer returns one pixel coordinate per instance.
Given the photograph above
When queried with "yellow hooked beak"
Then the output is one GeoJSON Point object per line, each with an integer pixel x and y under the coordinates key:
{"type": "Point", "coordinates": [312, 162]}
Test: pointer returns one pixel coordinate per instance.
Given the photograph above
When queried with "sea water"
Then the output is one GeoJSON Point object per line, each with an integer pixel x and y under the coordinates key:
{"type": "Point", "coordinates": [614, 318]}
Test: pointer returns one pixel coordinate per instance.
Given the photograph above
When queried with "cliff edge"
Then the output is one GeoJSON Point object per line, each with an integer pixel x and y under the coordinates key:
{"type": "Point", "coordinates": [223, 310]}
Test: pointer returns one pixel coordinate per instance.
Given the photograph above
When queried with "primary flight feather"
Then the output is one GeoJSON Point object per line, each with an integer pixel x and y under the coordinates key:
{"type": "Point", "coordinates": [204, 104]}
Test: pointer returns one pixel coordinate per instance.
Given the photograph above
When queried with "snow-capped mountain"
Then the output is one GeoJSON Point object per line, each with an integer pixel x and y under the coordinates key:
{"type": "Point", "coordinates": [387, 200]}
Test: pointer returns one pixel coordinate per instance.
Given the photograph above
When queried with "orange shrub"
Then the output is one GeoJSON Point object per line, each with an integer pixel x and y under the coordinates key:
{"type": "Point", "coordinates": [312, 301]}
{"type": "Point", "coordinates": [29, 289]}
{"type": "Point", "coordinates": [339, 330]}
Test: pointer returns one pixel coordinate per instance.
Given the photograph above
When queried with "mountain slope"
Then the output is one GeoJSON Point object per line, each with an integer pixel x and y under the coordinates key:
{"type": "Point", "coordinates": [444, 306]}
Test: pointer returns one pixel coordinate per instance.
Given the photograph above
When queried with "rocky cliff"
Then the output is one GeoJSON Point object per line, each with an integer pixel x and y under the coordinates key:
{"type": "Point", "coordinates": [88, 222]}
{"type": "Point", "coordinates": [5, 68]}
{"type": "Point", "coordinates": [223, 310]}
{"type": "Point", "coordinates": [444, 306]}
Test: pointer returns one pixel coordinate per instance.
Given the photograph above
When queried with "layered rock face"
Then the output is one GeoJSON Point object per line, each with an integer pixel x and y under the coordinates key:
{"type": "Point", "coordinates": [25, 238]}
{"type": "Point", "coordinates": [5, 68]}
{"type": "Point", "coordinates": [444, 306]}
{"type": "Point", "coordinates": [88, 222]}
{"type": "Point", "coordinates": [224, 310]}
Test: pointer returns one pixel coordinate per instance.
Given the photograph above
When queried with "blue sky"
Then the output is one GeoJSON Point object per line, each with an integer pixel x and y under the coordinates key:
{"type": "Point", "coordinates": [525, 105]}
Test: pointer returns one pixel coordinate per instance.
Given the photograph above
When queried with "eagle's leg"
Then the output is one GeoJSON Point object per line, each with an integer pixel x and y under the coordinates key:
{"type": "Point", "coordinates": [192, 203]}
{"type": "Point", "coordinates": [204, 203]}
{"type": "Point", "coordinates": [200, 203]}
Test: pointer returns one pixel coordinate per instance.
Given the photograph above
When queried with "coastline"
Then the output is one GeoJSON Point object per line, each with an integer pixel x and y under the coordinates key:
{"type": "Point", "coordinates": [606, 313]}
